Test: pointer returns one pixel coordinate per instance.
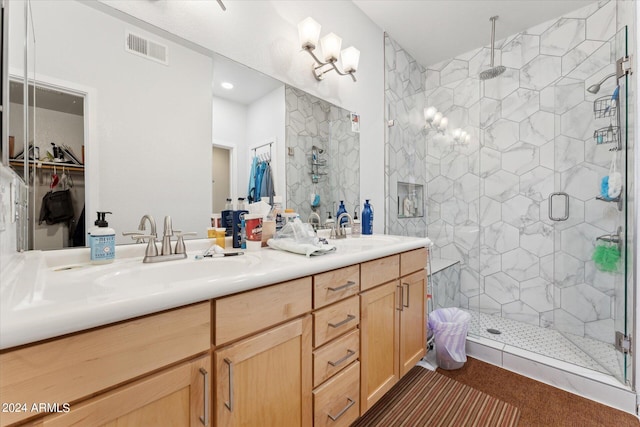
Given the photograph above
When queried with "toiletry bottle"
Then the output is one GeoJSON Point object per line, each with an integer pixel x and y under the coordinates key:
{"type": "Point", "coordinates": [341, 209]}
{"type": "Point", "coordinates": [367, 218]}
{"type": "Point", "coordinates": [241, 205]}
{"type": "Point", "coordinates": [243, 233]}
{"type": "Point", "coordinates": [226, 217]}
{"type": "Point", "coordinates": [102, 241]}
{"type": "Point", "coordinates": [356, 229]}
{"type": "Point", "coordinates": [329, 222]}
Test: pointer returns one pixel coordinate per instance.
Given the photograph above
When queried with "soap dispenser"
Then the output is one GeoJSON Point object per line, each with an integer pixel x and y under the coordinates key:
{"type": "Point", "coordinates": [102, 241]}
{"type": "Point", "coordinates": [356, 228]}
{"type": "Point", "coordinates": [341, 209]}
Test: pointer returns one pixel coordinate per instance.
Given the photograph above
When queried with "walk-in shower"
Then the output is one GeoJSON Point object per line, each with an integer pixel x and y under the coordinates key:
{"type": "Point", "coordinates": [520, 206]}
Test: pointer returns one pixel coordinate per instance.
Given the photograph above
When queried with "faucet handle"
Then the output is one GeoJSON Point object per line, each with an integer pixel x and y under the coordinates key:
{"type": "Point", "coordinates": [180, 247]}
{"type": "Point", "coordinates": [152, 249]}
{"type": "Point", "coordinates": [135, 235]}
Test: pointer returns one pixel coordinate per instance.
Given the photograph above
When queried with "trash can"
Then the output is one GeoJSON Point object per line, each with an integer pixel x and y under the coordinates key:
{"type": "Point", "coordinates": [450, 326]}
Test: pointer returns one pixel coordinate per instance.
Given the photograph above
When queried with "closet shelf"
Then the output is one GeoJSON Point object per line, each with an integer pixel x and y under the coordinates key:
{"type": "Point", "coordinates": [49, 165]}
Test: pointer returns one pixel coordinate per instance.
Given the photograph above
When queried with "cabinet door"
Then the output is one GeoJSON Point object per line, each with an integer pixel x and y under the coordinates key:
{"type": "Point", "coordinates": [379, 342]}
{"type": "Point", "coordinates": [177, 396]}
{"type": "Point", "coordinates": [412, 321]}
{"type": "Point", "coordinates": [265, 380]}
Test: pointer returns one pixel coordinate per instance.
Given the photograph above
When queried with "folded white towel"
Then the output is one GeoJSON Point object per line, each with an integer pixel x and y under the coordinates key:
{"type": "Point", "coordinates": [307, 249]}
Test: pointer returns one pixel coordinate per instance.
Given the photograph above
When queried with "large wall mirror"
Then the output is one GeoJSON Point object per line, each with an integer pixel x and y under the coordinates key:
{"type": "Point", "coordinates": [133, 120]}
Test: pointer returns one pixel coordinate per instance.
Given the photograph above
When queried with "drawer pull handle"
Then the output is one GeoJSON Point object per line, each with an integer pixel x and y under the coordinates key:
{"type": "Point", "coordinates": [345, 409]}
{"type": "Point", "coordinates": [343, 359]}
{"type": "Point", "coordinates": [400, 298]}
{"type": "Point", "coordinates": [205, 419]}
{"type": "Point", "coordinates": [229, 404]}
{"type": "Point", "coordinates": [349, 318]}
{"type": "Point", "coordinates": [345, 286]}
{"type": "Point", "coordinates": [407, 305]}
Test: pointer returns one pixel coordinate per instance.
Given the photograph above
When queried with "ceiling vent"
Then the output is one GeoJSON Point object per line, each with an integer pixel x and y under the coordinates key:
{"type": "Point", "coordinates": [144, 47]}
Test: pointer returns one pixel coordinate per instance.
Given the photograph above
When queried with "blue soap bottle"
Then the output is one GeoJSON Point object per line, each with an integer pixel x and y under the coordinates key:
{"type": "Point", "coordinates": [341, 209]}
{"type": "Point", "coordinates": [367, 218]}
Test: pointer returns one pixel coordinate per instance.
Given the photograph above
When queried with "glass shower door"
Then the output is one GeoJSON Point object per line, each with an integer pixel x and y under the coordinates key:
{"type": "Point", "coordinates": [589, 219]}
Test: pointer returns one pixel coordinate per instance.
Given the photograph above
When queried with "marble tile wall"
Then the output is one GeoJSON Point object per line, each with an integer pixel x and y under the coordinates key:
{"type": "Point", "coordinates": [531, 134]}
{"type": "Point", "coordinates": [312, 121]}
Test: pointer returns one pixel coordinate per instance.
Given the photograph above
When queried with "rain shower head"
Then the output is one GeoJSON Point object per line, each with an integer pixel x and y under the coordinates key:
{"type": "Point", "coordinates": [493, 71]}
{"type": "Point", "coordinates": [596, 87]}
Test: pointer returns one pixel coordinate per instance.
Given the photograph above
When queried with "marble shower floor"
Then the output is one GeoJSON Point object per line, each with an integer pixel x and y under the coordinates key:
{"type": "Point", "coordinates": [601, 357]}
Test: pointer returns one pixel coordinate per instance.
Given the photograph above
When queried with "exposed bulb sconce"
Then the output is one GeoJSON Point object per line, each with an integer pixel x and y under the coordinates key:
{"type": "Point", "coordinates": [309, 33]}
{"type": "Point", "coordinates": [435, 120]}
{"type": "Point", "coordinates": [461, 137]}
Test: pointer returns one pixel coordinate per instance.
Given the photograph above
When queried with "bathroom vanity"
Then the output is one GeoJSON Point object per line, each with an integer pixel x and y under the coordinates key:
{"type": "Point", "coordinates": [267, 338]}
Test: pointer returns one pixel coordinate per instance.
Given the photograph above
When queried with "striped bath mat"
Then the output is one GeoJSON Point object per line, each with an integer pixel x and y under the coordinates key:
{"type": "Point", "coordinates": [426, 398]}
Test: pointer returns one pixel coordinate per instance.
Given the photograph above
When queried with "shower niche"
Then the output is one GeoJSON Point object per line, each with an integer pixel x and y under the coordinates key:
{"type": "Point", "coordinates": [410, 200]}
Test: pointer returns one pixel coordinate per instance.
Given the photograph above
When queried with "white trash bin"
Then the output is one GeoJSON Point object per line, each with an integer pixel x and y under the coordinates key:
{"type": "Point", "coordinates": [450, 326]}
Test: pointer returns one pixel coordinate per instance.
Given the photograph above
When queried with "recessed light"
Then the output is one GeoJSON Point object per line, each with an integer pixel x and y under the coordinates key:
{"type": "Point", "coordinates": [226, 85]}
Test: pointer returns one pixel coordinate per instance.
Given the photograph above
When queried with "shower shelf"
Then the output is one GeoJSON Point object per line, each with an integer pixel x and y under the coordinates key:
{"type": "Point", "coordinates": [608, 135]}
{"type": "Point", "coordinates": [604, 107]}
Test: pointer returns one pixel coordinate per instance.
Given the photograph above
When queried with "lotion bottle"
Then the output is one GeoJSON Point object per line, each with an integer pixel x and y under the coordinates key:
{"type": "Point", "coordinates": [102, 241]}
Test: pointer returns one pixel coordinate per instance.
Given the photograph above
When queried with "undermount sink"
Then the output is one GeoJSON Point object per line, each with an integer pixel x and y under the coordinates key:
{"type": "Point", "coordinates": [132, 276]}
{"type": "Point", "coordinates": [364, 241]}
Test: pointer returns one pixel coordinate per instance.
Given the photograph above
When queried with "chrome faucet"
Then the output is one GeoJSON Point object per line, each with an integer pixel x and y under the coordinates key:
{"type": "Point", "coordinates": [166, 254]}
{"type": "Point", "coordinates": [314, 224]}
{"type": "Point", "coordinates": [341, 231]}
{"type": "Point", "coordinates": [137, 235]}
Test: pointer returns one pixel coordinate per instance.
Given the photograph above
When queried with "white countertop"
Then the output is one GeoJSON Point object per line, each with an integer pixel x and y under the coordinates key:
{"type": "Point", "coordinates": [48, 294]}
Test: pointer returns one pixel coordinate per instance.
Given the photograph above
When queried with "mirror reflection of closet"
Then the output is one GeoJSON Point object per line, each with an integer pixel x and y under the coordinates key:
{"type": "Point", "coordinates": [55, 159]}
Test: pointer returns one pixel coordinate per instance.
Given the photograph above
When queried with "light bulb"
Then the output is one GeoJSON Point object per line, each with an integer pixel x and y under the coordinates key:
{"type": "Point", "coordinates": [443, 124]}
{"type": "Point", "coordinates": [331, 45]}
{"type": "Point", "coordinates": [436, 119]}
{"type": "Point", "coordinates": [429, 113]}
{"type": "Point", "coordinates": [467, 138]}
{"type": "Point", "coordinates": [350, 58]}
{"type": "Point", "coordinates": [308, 33]}
{"type": "Point", "coordinates": [457, 133]}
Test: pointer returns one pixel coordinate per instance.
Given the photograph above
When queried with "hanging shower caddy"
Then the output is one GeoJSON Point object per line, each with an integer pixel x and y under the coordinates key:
{"type": "Point", "coordinates": [603, 107]}
{"type": "Point", "coordinates": [318, 164]}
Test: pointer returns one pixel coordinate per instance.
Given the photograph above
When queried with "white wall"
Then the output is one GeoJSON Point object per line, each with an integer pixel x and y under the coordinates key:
{"type": "Point", "coordinates": [136, 160]}
{"type": "Point", "coordinates": [263, 35]}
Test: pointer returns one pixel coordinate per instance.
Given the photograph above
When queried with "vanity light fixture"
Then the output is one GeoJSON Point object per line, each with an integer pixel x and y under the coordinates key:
{"type": "Point", "coordinates": [309, 33]}
{"type": "Point", "coordinates": [435, 120]}
{"type": "Point", "coordinates": [461, 137]}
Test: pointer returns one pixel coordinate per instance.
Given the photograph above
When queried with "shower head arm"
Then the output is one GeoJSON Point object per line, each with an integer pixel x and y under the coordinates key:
{"type": "Point", "coordinates": [493, 37]}
{"type": "Point", "coordinates": [595, 88]}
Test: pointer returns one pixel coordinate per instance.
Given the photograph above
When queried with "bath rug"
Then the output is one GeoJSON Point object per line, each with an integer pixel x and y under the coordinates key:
{"type": "Point", "coordinates": [427, 398]}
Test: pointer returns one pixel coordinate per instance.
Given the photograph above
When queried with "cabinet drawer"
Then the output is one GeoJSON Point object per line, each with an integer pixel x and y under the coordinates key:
{"type": "Point", "coordinates": [243, 314]}
{"type": "Point", "coordinates": [337, 402]}
{"type": "Point", "coordinates": [335, 356]}
{"type": "Point", "coordinates": [413, 261]}
{"type": "Point", "coordinates": [334, 320]}
{"type": "Point", "coordinates": [70, 368]}
{"type": "Point", "coordinates": [379, 271]}
{"type": "Point", "coordinates": [335, 285]}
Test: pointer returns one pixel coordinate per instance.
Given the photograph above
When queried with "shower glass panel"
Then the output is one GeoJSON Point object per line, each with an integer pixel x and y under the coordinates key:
{"type": "Point", "coordinates": [589, 222]}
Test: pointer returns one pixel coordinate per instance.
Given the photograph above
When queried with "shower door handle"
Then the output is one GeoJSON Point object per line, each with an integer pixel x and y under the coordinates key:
{"type": "Point", "coordinates": [566, 206]}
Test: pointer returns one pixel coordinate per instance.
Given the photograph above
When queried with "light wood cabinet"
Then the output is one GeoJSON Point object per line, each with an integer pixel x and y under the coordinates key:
{"type": "Point", "coordinates": [412, 321]}
{"type": "Point", "coordinates": [70, 368]}
{"type": "Point", "coordinates": [178, 396]}
{"type": "Point", "coordinates": [379, 342]}
{"type": "Point", "coordinates": [266, 379]}
{"type": "Point", "coordinates": [392, 325]}
{"type": "Point", "coordinates": [336, 402]}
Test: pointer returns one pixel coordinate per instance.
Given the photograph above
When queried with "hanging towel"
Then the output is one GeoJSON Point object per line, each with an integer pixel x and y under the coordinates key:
{"type": "Point", "coordinates": [252, 181]}
{"type": "Point", "coordinates": [258, 181]}
{"type": "Point", "coordinates": [266, 189]}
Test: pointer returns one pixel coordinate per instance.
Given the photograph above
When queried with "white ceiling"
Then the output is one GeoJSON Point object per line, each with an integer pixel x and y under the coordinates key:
{"type": "Point", "coordinates": [434, 30]}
